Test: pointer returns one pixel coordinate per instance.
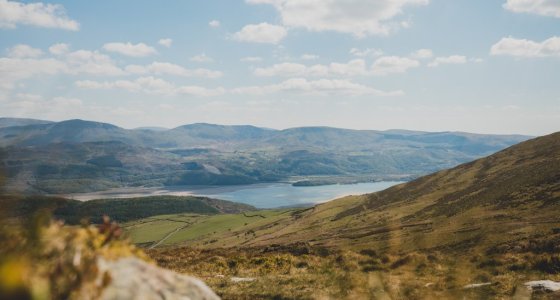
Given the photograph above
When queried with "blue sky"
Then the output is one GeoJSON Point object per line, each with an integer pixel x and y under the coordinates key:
{"type": "Point", "coordinates": [478, 66]}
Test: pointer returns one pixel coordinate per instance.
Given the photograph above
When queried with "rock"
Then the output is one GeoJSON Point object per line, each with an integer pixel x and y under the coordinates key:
{"type": "Point", "coordinates": [547, 285]}
{"type": "Point", "coordinates": [475, 285]}
{"type": "Point", "coordinates": [242, 279]}
{"type": "Point", "coordinates": [132, 278]}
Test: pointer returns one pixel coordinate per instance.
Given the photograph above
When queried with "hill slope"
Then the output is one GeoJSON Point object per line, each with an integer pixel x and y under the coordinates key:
{"type": "Point", "coordinates": [121, 210]}
{"type": "Point", "coordinates": [512, 194]}
{"type": "Point", "coordinates": [482, 230]}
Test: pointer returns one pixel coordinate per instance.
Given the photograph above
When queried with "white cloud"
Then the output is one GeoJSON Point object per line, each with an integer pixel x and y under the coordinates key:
{"type": "Point", "coordinates": [163, 68]}
{"type": "Point", "coordinates": [357, 17]}
{"type": "Point", "coordinates": [165, 42]}
{"type": "Point", "coordinates": [35, 105]}
{"type": "Point", "coordinates": [261, 33]}
{"type": "Point", "coordinates": [200, 91]}
{"type": "Point", "coordinates": [23, 63]}
{"type": "Point", "coordinates": [13, 70]}
{"type": "Point", "coordinates": [352, 68]}
{"type": "Point", "coordinates": [393, 64]}
{"type": "Point", "coordinates": [366, 52]}
{"type": "Point", "coordinates": [24, 51]}
{"type": "Point", "coordinates": [251, 59]}
{"type": "Point", "coordinates": [422, 54]}
{"type": "Point", "coordinates": [91, 62]}
{"type": "Point", "coordinates": [151, 85]}
{"type": "Point", "coordinates": [59, 49]}
{"type": "Point", "coordinates": [214, 23]}
{"type": "Point", "coordinates": [309, 56]}
{"type": "Point", "coordinates": [35, 14]}
{"type": "Point", "coordinates": [315, 87]}
{"type": "Point", "coordinates": [453, 59]}
{"type": "Point", "coordinates": [538, 7]}
{"type": "Point", "coordinates": [526, 48]}
{"type": "Point", "coordinates": [201, 58]}
{"type": "Point", "coordinates": [128, 49]}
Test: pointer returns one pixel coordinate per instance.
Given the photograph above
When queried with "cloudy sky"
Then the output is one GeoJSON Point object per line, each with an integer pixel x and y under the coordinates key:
{"type": "Point", "coordinates": [488, 66]}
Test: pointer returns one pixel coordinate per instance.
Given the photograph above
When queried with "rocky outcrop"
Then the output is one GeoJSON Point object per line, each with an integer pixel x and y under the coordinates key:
{"type": "Point", "coordinates": [132, 278]}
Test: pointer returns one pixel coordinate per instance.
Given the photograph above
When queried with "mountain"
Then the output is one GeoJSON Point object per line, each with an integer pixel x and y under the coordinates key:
{"type": "Point", "coordinates": [78, 155]}
{"type": "Point", "coordinates": [71, 131]}
{"type": "Point", "coordinates": [89, 166]}
{"type": "Point", "coordinates": [9, 122]}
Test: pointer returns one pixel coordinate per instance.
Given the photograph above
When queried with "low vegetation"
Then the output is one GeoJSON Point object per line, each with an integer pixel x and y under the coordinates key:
{"type": "Point", "coordinates": [301, 271]}
{"type": "Point", "coordinates": [42, 259]}
{"type": "Point", "coordinates": [122, 210]}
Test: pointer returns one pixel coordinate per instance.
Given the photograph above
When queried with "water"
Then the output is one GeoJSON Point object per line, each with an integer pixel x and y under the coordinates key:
{"type": "Point", "coordinates": [271, 195]}
{"type": "Point", "coordinates": [279, 195]}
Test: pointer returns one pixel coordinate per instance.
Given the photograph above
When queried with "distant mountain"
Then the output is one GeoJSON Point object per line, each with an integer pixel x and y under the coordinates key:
{"type": "Point", "coordinates": [152, 128]}
{"type": "Point", "coordinates": [77, 155]}
{"type": "Point", "coordinates": [8, 122]}
{"type": "Point", "coordinates": [511, 195]}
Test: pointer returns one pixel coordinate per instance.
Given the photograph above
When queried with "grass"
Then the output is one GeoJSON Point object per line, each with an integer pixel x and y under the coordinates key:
{"type": "Point", "coordinates": [291, 273]}
{"type": "Point", "coordinates": [201, 229]}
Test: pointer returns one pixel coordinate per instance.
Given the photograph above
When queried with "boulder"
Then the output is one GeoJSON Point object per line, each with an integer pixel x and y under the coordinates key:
{"type": "Point", "coordinates": [132, 278]}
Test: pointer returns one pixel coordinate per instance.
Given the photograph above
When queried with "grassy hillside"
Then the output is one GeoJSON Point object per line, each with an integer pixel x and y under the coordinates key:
{"type": "Point", "coordinates": [486, 201]}
{"type": "Point", "coordinates": [122, 210]}
{"type": "Point", "coordinates": [493, 221]}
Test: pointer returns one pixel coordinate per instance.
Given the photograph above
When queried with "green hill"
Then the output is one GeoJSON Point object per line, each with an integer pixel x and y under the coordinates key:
{"type": "Point", "coordinates": [121, 210]}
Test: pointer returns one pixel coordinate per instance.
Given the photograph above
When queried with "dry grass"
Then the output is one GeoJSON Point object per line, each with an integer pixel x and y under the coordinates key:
{"type": "Point", "coordinates": [301, 271]}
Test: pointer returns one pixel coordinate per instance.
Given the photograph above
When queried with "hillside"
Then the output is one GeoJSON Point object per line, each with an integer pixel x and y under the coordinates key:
{"type": "Point", "coordinates": [121, 210]}
{"type": "Point", "coordinates": [89, 166]}
{"type": "Point", "coordinates": [80, 156]}
{"type": "Point", "coordinates": [482, 230]}
{"type": "Point", "coordinates": [507, 195]}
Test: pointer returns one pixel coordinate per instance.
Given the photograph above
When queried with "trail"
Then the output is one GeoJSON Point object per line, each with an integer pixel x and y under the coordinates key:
{"type": "Point", "coordinates": [257, 215]}
{"type": "Point", "coordinates": [169, 235]}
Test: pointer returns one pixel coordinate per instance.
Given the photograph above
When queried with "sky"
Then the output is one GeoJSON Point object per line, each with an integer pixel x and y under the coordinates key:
{"type": "Point", "coordinates": [485, 66]}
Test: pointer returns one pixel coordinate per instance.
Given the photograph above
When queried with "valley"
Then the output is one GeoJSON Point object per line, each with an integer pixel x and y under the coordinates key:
{"type": "Point", "coordinates": [499, 230]}
{"type": "Point", "coordinates": [77, 156]}
{"type": "Point", "coordinates": [280, 150]}
{"type": "Point", "coordinates": [260, 195]}
{"type": "Point", "coordinates": [481, 229]}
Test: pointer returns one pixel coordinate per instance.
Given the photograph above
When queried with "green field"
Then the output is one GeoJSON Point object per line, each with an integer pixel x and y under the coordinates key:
{"type": "Point", "coordinates": [201, 229]}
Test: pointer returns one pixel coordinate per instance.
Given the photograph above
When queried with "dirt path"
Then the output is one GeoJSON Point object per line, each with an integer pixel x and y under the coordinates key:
{"type": "Point", "coordinates": [169, 235]}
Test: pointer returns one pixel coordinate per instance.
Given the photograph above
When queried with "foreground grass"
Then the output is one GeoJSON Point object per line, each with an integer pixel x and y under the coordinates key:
{"type": "Point", "coordinates": [376, 266]}
{"type": "Point", "coordinates": [301, 271]}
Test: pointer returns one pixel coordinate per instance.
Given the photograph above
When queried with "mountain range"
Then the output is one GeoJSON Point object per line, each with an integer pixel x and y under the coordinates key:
{"type": "Point", "coordinates": [79, 156]}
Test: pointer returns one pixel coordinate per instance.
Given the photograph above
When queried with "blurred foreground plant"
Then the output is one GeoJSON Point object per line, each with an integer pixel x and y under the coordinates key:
{"type": "Point", "coordinates": [44, 259]}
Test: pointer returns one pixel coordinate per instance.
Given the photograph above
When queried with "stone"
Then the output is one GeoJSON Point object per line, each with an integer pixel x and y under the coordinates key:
{"type": "Point", "coordinates": [132, 278]}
